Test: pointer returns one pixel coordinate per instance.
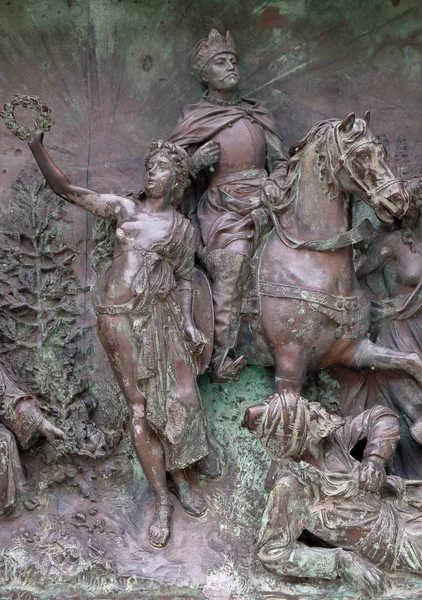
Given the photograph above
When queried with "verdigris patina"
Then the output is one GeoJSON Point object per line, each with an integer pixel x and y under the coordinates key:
{"type": "Point", "coordinates": [362, 521]}
{"type": "Point", "coordinates": [241, 146]}
{"type": "Point", "coordinates": [145, 321]}
{"type": "Point", "coordinates": [116, 75]}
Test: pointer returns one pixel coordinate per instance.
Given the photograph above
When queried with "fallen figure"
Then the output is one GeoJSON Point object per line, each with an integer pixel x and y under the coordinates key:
{"type": "Point", "coordinates": [362, 523]}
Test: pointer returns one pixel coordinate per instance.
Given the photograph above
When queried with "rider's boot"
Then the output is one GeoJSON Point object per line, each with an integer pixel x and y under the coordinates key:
{"type": "Point", "coordinates": [228, 273]}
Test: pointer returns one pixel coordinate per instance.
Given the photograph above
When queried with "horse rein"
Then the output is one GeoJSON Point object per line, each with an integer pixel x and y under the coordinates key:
{"type": "Point", "coordinates": [354, 235]}
{"type": "Point", "coordinates": [343, 164]}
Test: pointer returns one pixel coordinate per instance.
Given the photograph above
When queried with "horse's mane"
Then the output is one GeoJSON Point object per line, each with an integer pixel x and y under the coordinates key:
{"type": "Point", "coordinates": [322, 131]}
{"type": "Point", "coordinates": [319, 129]}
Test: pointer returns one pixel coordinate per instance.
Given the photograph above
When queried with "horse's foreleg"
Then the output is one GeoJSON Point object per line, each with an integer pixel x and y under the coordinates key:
{"type": "Point", "coordinates": [366, 355]}
{"type": "Point", "coordinates": [290, 368]}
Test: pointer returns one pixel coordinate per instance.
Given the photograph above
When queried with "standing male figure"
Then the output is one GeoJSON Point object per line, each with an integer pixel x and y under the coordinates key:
{"type": "Point", "coordinates": [241, 138]}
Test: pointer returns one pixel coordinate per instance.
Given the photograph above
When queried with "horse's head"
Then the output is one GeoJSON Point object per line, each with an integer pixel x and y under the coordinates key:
{"type": "Point", "coordinates": [360, 167]}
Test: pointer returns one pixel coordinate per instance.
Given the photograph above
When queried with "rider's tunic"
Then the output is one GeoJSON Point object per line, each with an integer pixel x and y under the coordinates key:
{"type": "Point", "coordinates": [230, 209]}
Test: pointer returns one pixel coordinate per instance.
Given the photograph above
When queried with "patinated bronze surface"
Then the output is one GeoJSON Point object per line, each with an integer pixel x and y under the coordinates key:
{"type": "Point", "coordinates": [362, 521]}
{"type": "Point", "coordinates": [124, 314]}
{"type": "Point", "coordinates": [390, 268]}
{"type": "Point", "coordinates": [22, 422]}
{"type": "Point", "coordinates": [241, 144]}
{"type": "Point", "coordinates": [313, 311]}
{"type": "Point", "coordinates": [145, 322]}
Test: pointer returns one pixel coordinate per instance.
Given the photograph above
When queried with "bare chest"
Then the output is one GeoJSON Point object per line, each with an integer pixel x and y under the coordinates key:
{"type": "Point", "coordinates": [408, 267]}
{"type": "Point", "coordinates": [144, 230]}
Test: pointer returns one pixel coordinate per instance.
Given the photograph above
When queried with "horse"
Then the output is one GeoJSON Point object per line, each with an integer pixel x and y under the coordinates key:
{"type": "Point", "coordinates": [312, 311]}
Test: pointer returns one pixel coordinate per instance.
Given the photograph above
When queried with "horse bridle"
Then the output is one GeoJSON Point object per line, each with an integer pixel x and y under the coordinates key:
{"type": "Point", "coordinates": [344, 164]}
{"type": "Point", "coordinates": [362, 231]}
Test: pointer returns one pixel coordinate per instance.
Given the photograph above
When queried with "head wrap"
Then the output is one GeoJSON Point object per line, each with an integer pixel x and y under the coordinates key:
{"type": "Point", "coordinates": [216, 43]}
{"type": "Point", "coordinates": [290, 423]}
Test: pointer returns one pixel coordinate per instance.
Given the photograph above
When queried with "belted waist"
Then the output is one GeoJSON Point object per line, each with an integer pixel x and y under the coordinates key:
{"type": "Point", "coordinates": [340, 303]}
{"type": "Point", "coordinates": [116, 309]}
{"type": "Point", "coordinates": [240, 175]}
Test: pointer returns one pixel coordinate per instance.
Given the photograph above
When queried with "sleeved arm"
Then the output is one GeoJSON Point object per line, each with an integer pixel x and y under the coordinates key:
{"type": "Point", "coordinates": [380, 426]}
{"type": "Point", "coordinates": [276, 160]}
{"type": "Point", "coordinates": [286, 516]}
{"type": "Point", "coordinates": [23, 418]}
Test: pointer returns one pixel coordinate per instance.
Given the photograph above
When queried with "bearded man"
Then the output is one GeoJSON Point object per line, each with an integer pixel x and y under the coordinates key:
{"type": "Point", "coordinates": [235, 142]}
{"type": "Point", "coordinates": [361, 522]}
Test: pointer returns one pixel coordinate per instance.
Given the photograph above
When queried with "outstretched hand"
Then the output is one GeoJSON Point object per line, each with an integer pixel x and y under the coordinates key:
{"type": "Point", "coordinates": [37, 138]}
{"type": "Point", "coordinates": [51, 432]}
{"type": "Point", "coordinates": [195, 339]}
{"type": "Point", "coordinates": [205, 156]}
{"type": "Point", "coordinates": [372, 475]}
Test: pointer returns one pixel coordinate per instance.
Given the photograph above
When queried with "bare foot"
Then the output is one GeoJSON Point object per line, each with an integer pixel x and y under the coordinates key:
{"type": "Point", "coordinates": [159, 530]}
{"type": "Point", "coordinates": [192, 502]}
{"type": "Point", "coordinates": [28, 497]}
{"type": "Point", "coordinates": [365, 577]}
{"type": "Point", "coordinates": [30, 503]}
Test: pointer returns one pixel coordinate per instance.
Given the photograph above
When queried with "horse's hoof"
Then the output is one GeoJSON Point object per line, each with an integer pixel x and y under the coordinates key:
{"type": "Point", "coordinates": [229, 371]}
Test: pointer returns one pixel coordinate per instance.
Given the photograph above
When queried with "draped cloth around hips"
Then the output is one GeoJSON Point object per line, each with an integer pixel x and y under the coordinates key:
{"type": "Point", "coordinates": [166, 373]}
{"type": "Point", "coordinates": [231, 210]}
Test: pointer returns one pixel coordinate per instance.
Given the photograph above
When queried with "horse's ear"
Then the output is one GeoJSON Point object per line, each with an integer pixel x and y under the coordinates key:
{"type": "Point", "coordinates": [348, 122]}
{"type": "Point", "coordinates": [367, 116]}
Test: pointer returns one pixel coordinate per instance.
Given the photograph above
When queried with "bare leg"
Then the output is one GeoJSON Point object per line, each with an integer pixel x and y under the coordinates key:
{"type": "Point", "coordinates": [114, 333]}
{"type": "Point", "coordinates": [150, 453]}
{"type": "Point", "coordinates": [192, 502]}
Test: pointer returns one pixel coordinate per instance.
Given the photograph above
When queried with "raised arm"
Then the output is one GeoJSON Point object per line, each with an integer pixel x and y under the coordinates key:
{"type": "Point", "coordinates": [102, 205]}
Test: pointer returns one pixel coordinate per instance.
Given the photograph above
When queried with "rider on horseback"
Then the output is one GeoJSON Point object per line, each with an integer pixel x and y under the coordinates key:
{"type": "Point", "coordinates": [242, 138]}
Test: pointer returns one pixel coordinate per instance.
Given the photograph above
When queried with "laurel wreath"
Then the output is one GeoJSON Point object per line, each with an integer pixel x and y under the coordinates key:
{"type": "Point", "coordinates": [43, 121]}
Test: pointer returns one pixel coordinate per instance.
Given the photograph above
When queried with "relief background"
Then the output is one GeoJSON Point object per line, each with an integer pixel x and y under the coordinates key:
{"type": "Point", "coordinates": [116, 74]}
